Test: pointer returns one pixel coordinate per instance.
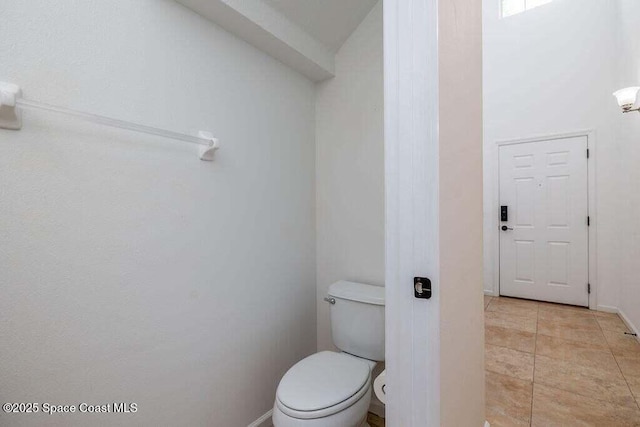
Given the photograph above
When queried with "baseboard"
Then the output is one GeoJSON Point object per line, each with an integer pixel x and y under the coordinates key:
{"type": "Point", "coordinates": [263, 421]}
{"type": "Point", "coordinates": [607, 309]}
{"type": "Point", "coordinates": [630, 324]}
{"type": "Point", "coordinates": [490, 293]}
{"type": "Point", "coordinates": [623, 316]}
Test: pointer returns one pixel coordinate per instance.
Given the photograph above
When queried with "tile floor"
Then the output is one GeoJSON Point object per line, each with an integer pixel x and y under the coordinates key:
{"type": "Point", "coordinates": [374, 420]}
{"type": "Point", "coordinates": [554, 365]}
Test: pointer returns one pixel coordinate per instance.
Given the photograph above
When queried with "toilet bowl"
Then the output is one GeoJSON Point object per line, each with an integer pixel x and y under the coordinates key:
{"type": "Point", "coordinates": [333, 389]}
{"type": "Point", "coordinates": [327, 389]}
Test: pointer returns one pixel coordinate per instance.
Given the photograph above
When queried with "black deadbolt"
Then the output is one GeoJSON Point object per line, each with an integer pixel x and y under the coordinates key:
{"type": "Point", "coordinates": [422, 287]}
{"type": "Point", "coordinates": [504, 213]}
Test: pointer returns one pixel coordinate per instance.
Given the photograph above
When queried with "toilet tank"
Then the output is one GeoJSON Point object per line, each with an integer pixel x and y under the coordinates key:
{"type": "Point", "coordinates": [357, 319]}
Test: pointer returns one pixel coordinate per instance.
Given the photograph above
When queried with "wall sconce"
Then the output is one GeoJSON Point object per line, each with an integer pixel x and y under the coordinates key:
{"type": "Point", "coordinates": [627, 98]}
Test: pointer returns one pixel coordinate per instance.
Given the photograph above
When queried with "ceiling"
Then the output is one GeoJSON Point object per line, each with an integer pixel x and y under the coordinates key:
{"type": "Point", "coordinates": [331, 22]}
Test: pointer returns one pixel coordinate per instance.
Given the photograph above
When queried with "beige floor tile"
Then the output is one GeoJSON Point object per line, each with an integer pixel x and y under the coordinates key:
{"type": "Point", "coordinates": [487, 300]}
{"type": "Point", "coordinates": [506, 361]}
{"type": "Point", "coordinates": [584, 380]}
{"type": "Point", "coordinates": [571, 332]}
{"type": "Point", "coordinates": [569, 318]}
{"type": "Point", "coordinates": [585, 371]}
{"type": "Point", "coordinates": [611, 322]}
{"type": "Point", "coordinates": [621, 344]}
{"type": "Point", "coordinates": [511, 338]}
{"type": "Point", "coordinates": [549, 306]}
{"type": "Point", "coordinates": [514, 306]}
{"type": "Point", "coordinates": [553, 407]}
{"type": "Point", "coordinates": [518, 301]}
{"type": "Point", "coordinates": [507, 320]}
{"type": "Point", "coordinates": [630, 367]}
{"type": "Point", "coordinates": [593, 355]}
{"type": "Point", "coordinates": [508, 400]}
{"type": "Point", "coordinates": [563, 307]}
{"type": "Point", "coordinates": [603, 313]}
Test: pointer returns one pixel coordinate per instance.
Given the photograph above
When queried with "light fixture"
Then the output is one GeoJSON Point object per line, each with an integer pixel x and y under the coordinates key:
{"type": "Point", "coordinates": [627, 98]}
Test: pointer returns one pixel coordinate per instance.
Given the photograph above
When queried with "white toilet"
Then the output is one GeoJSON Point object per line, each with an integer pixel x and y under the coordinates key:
{"type": "Point", "coordinates": [330, 389]}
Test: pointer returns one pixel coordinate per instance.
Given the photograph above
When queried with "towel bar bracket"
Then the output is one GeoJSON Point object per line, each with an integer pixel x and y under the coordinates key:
{"type": "Point", "coordinates": [10, 116]}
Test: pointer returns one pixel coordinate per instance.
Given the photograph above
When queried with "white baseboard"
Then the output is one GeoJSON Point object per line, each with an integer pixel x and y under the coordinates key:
{"type": "Point", "coordinates": [490, 293]}
{"type": "Point", "coordinates": [263, 421]}
{"type": "Point", "coordinates": [607, 309]}
{"type": "Point", "coordinates": [629, 323]}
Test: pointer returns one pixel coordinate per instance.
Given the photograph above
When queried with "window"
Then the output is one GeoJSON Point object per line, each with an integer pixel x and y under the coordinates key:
{"type": "Point", "coordinates": [512, 7]}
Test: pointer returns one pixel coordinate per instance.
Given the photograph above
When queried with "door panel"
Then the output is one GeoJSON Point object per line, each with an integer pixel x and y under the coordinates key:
{"type": "Point", "coordinates": [524, 206]}
{"type": "Point", "coordinates": [525, 254]}
{"type": "Point", "coordinates": [544, 251]}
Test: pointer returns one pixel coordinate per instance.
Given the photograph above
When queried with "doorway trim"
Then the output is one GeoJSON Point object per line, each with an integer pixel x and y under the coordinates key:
{"type": "Point", "coordinates": [432, 78]}
{"type": "Point", "coordinates": [411, 104]}
{"type": "Point", "coordinates": [590, 134]}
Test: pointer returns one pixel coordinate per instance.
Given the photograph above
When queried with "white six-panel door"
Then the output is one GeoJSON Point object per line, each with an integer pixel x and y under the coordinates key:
{"type": "Point", "coordinates": [544, 251]}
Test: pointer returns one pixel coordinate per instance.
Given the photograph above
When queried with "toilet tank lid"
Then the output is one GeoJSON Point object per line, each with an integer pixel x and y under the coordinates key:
{"type": "Point", "coordinates": [360, 292]}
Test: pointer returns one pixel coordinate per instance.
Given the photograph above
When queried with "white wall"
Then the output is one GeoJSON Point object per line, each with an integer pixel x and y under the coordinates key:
{"type": "Point", "coordinates": [547, 71]}
{"type": "Point", "coordinates": [350, 168]}
{"type": "Point", "coordinates": [629, 136]}
{"type": "Point", "coordinates": [130, 270]}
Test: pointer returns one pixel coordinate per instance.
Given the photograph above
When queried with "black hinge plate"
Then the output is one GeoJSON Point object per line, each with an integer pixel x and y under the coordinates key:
{"type": "Point", "coordinates": [587, 153]}
{"type": "Point", "coordinates": [588, 288]}
{"type": "Point", "coordinates": [422, 287]}
{"type": "Point", "coordinates": [588, 221]}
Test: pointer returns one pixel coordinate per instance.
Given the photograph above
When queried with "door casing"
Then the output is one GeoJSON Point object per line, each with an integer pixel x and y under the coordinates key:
{"type": "Point", "coordinates": [592, 192]}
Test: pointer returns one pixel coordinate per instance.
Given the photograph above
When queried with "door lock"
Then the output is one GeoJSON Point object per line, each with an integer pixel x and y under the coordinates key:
{"type": "Point", "coordinates": [422, 287]}
{"type": "Point", "coordinates": [504, 213]}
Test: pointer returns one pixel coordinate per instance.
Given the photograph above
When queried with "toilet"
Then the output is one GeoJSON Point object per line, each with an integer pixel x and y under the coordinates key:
{"type": "Point", "coordinates": [333, 389]}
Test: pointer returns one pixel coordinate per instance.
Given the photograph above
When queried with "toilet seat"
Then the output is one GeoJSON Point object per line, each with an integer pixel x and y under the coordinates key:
{"type": "Point", "coordinates": [323, 384]}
